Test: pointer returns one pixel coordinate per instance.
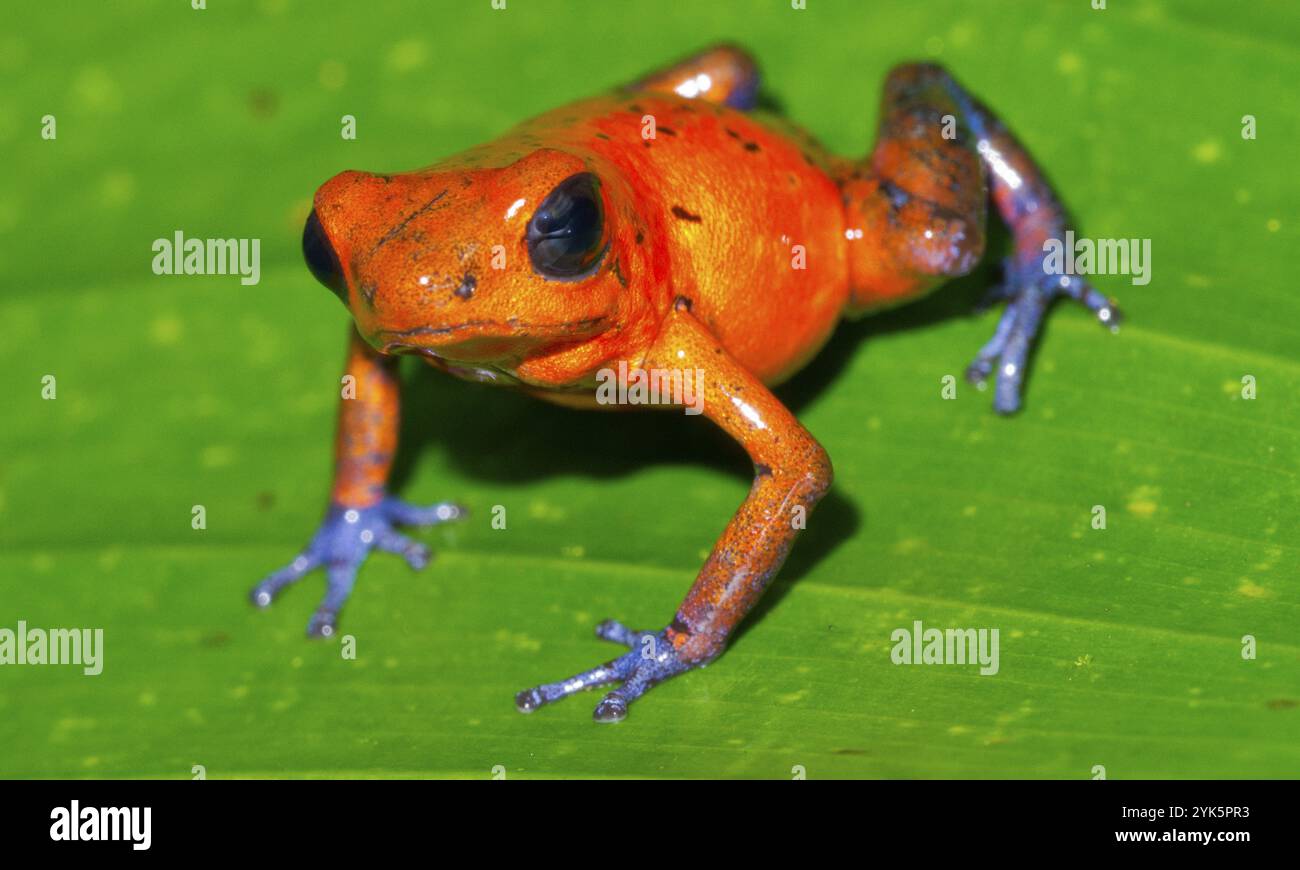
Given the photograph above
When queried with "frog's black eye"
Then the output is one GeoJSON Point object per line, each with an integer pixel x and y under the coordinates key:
{"type": "Point", "coordinates": [321, 258]}
{"type": "Point", "coordinates": [566, 236]}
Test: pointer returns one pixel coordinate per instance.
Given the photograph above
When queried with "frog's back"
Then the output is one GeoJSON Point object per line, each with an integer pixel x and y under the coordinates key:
{"type": "Point", "coordinates": [737, 214]}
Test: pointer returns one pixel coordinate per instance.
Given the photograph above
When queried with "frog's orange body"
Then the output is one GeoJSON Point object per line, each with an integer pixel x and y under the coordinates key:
{"type": "Point", "coordinates": [771, 285]}
{"type": "Point", "coordinates": [664, 227]}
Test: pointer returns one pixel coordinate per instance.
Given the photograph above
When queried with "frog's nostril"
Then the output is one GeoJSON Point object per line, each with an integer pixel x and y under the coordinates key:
{"type": "Point", "coordinates": [321, 258]}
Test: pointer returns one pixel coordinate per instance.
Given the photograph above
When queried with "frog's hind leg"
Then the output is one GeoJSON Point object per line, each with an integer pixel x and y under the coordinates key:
{"type": "Point", "coordinates": [915, 209]}
{"type": "Point", "coordinates": [921, 207]}
{"type": "Point", "coordinates": [724, 74]}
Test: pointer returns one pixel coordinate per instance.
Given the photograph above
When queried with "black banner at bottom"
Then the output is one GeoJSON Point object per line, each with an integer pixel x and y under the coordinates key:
{"type": "Point", "coordinates": [332, 818]}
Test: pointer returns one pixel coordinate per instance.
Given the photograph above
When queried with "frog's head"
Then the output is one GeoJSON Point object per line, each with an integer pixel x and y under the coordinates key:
{"type": "Point", "coordinates": [477, 263]}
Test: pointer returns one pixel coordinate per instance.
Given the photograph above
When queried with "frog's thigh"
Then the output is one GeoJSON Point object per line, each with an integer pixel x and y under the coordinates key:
{"type": "Point", "coordinates": [921, 198]}
{"type": "Point", "coordinates": [791, 473]}
{"type": "Point", "coordinates": [723, 74]}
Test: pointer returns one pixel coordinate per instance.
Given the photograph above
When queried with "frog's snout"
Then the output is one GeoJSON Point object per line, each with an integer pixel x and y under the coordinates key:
{"type": "Point", "coordinates": [321, 257]}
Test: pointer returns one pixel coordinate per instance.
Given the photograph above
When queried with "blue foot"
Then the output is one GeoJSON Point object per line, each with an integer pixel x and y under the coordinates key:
{"type": "Point", "coordinates": [1028, 290]}
{"type": "Point", "coordinates": [651, 661]}
{"type": "Point", "coordinates": [345, 537]}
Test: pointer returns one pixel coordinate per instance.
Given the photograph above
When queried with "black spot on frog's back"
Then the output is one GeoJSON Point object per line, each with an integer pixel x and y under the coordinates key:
{"type": "Point", "coordinates": [682, 214]}
{"type": "Point", "coordinates": [467, 286]}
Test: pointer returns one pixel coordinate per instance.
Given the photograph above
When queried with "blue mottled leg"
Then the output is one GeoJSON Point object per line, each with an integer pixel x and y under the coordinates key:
{"type": "Point", "coordinates": [610, 672]}
{"type": "Point", "coordinates": [651, 661]}
{"type": "Point", "coordinates": [1026, 202]}
{"type": "Point", "coordinates": [417, 555]}
{"type": "Point", "coordinates": [264, 593]}
{"type": "Point", "coordinates": [345, 537]}
{"type": "Point", "coordinates": [340, 577]}
{"type": "Point", "coordinates": [979, 370]}
{"type": "Point", "coordinates": [1031, 291]}
{"type": "Point", "coordinates": [417, 515]}
{"type": "Point", "coordinates": [1082, 292]}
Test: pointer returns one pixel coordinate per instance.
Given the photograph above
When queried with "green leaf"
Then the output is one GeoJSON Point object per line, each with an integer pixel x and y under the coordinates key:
{"type": "Point", "coordinates": [1119, 647]}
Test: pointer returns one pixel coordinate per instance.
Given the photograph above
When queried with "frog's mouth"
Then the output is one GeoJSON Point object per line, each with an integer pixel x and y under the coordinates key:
{"type": "Point", "coordinates": [512, 328]}
{"type": "Point", "coordinates": [482, 352]}
{"type": "Point", "coordinates": [482, 373]}
{"type": "Point", "coordinates": [480, 364]}
{"type": "Point", "coordinates": [483, 346]}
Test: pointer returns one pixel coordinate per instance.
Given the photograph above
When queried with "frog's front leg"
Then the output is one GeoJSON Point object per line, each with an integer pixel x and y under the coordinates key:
{"type": "Point", "coordinates": [791, 473]}
{"type": "Point", "coordinates": [361, 515]}
{"type": "Point", "coordinates": [938, 155]}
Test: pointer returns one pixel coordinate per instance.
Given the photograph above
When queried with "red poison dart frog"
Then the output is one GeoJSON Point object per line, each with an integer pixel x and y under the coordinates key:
{"type": "Point", "coordinates": [727, 243]}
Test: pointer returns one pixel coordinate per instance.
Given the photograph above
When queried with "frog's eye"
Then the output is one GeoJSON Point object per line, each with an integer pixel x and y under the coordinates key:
{"type": "Point", "coordinates": [321, 258]}
{"type": "Point", "coordinates": [565, 236]}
